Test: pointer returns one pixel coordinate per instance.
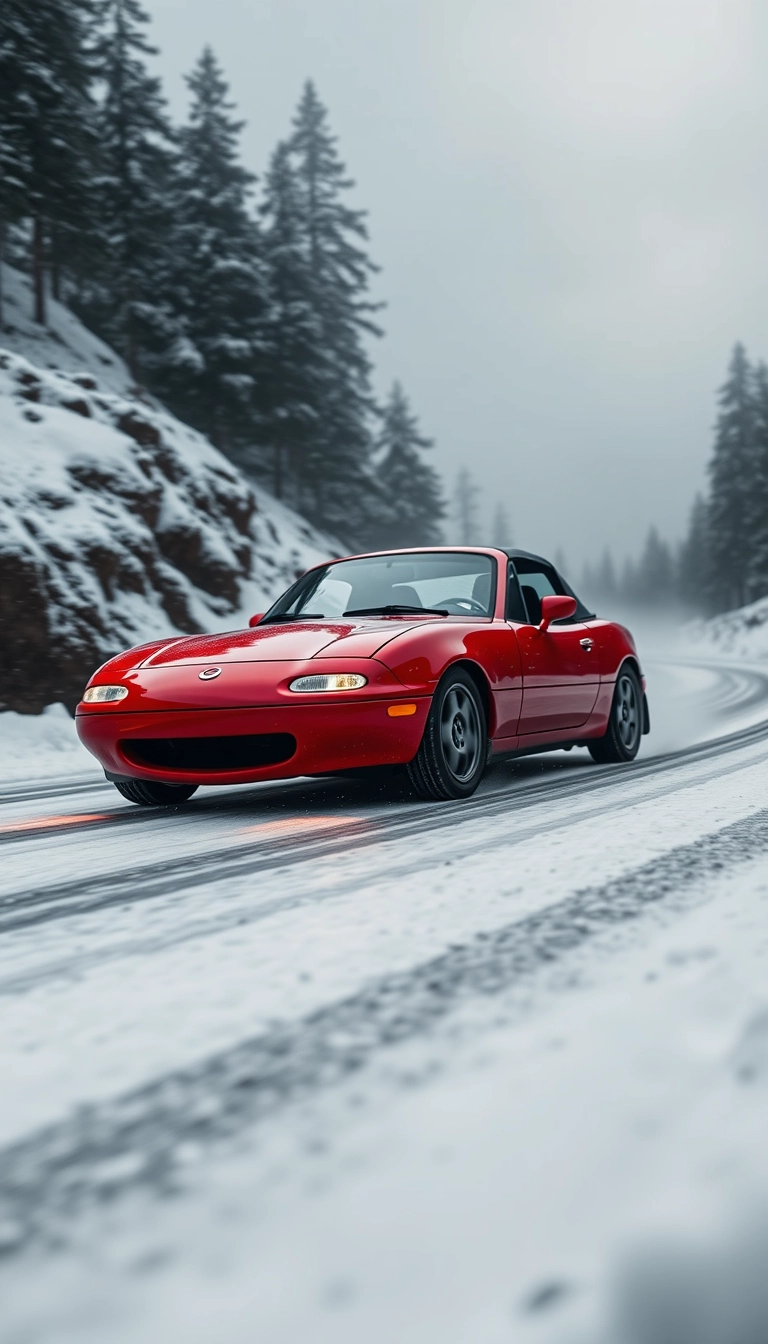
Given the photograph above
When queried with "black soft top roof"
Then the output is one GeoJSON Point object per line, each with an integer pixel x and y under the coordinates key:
{"type": "Point", "coordinates": [526, 555]}
{"type": "Point", "coordinates": [582, 613]}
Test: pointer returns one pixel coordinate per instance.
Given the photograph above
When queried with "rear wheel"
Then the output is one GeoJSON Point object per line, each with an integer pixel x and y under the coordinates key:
{"type": "Point", "coordinates": [149, 793]}
{"type": "Point", "coordinates": [451, 759]}
{"type": "Point", "coordinates": [621, 740]}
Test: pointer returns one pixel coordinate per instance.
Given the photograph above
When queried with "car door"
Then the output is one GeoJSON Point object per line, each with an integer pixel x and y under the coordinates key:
{"type": "Point", "coordinates": [561, 667]}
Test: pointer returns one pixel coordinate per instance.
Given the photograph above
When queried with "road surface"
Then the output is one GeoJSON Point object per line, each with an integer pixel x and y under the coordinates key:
{"type": "Point", "coordinates": [307, 1062]}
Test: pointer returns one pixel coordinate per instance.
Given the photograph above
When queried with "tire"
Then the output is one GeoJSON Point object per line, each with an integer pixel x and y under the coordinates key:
{"type": "Point", "coordinates": [148, 793]}
{"type": "Point", "coordinates": [621, 740]}
{"type": "Point", "coordinates": [451, 759]}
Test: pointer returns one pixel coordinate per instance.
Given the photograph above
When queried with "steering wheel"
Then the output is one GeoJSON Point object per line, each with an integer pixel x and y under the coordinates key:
{"type": "Point", "coordinates": [469, 604]}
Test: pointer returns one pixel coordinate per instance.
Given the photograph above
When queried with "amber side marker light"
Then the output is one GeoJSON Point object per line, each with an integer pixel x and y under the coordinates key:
{"type": "Point", "coordinates": [401, 711]}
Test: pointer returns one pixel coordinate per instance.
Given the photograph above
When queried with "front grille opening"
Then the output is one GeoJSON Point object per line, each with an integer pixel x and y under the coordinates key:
{"type": "Point", "coordinates": [216, 754]}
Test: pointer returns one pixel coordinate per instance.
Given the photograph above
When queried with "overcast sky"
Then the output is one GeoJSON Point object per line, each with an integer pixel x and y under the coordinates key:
{"type": "Point", "coordinates": [569, 201]}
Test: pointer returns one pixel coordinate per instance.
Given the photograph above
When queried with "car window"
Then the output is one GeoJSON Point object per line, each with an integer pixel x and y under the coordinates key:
{"type": "Point", "coordinates": [459, 583]}
{"type": "Point", "coordinates": [515, 606]}
{"type": "Point", "coordinates": [542, 583]}
{"type": "Point", "coordinates": [537, 580]}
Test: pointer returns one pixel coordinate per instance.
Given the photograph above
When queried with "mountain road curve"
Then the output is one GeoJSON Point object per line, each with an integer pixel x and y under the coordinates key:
{"type": "Point", "coordinates": [225, 1006]}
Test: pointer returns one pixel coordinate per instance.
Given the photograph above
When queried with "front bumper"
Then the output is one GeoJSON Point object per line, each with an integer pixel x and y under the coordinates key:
{"type": "Point", "coordinates": [329, 737]}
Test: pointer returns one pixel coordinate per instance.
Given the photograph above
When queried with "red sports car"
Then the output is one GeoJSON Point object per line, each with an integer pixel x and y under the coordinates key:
{"type": "Point", "coordinates": [428, 660]}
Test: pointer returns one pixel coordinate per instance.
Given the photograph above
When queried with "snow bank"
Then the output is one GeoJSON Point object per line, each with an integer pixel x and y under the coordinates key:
{"type": "Point", "coordinates": [118, 523]}
{"type": "Point", "coordinates": [43, 746]}
{"type": "Point", "coordinates": [742, 633]}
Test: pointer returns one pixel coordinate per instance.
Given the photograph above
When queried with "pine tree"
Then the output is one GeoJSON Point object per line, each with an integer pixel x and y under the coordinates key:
{"type": "Point", "coordinates": [589, 586]}
{"type": "Point", "coordinates": [465, 515]}
{"type": "Point", "coordinates": [336, 468]}
{"type": "Point", "coordinates": [291, 391]}
{"type": "Point", "coordinates": [731, 473]}
{"type": "Point", "coordinates": [47, 140]}
{"type": "Point", "coordinates": [630, 589]}
{"type": "Point", "coordinates": [654, 584]}
{"type": "Point", "coordinates": [410, 487]}
{"type": "Point", "coordinates": [218, 276]}
{"type": "Point", "coordinates": [693, 558]}
{"type": "Point", "coordinates": [501, 531]}
{"type": "Point", "coordinates": [127, 297]}
{"type": "Point", "coordinates": [14, 161]}
{"type": "Point", "coordinates": [757, 505]}
{"type": "Point", "coordinates": [605, 582]}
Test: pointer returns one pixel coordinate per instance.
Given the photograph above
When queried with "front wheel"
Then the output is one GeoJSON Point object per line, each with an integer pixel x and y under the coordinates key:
{"type": "Point", "coordinates": [149, 793]}
{"type": "Point", "coordinates": [451, 759]}
{"type": "Point", "coordinates": [621, 740]}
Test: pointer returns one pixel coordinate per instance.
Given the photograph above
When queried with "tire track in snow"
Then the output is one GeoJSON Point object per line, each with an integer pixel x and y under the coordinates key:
{"type": "Point", "coordinates": [306, 891]}
{"type": "Point", "coordinates": [142, 1138]}
{"type": "Point", "coordinates": [53, 901]}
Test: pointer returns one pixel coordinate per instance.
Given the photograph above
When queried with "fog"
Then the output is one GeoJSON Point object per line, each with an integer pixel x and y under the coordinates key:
{"type": "Point", "coordinates": [568, 201]}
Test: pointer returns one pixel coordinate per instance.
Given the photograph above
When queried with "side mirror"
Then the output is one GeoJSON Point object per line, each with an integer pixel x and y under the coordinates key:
{"type": "Point", "coordinates": [255, 619]}
{"type": "Point", "coordinates": [555, 609]}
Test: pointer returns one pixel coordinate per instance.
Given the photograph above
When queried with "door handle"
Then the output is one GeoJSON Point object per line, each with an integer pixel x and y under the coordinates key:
{"type": "Point", "coordinates": [586, 644]}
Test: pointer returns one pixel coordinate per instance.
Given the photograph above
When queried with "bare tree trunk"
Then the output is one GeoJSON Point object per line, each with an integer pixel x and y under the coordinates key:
{"type": "Point", "coordinates": [2, 260]}
{"type": "Point", "coordinates": [131, 354]}
{"type": "Point", "coordinates": [38, 270]}
{"type": "Point", "coordinates": [55, 266]}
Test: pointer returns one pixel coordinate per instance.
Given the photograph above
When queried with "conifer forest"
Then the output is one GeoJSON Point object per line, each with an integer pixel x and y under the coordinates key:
{"type": "Point", "coordinates": [249, 304]}
{"type": "Point", "coordinates": [244, 303]}
{"type": "Point", "coordinates": [722, 562]}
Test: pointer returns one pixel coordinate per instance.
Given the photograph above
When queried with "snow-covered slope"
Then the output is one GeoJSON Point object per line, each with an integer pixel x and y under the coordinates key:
{"type": "Point", "coordinates": [117, 522]}
{"type": "Point", "coordinates": [64, 344]}
{"type": "Point", "coordinates": [742, 633]}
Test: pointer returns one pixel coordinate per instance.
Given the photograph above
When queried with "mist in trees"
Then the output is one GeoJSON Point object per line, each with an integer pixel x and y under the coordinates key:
{"type": "Point", "coordinates": [465, 510]}
{"type": "Point", "coordinates": [722, 561]}
{"type": "Point", "coordinates": [661, 579]}
{"type": "Point", "coordinates": [501, 527]}
{"type": "Point", "coordinates": [411, 485]}
{"type": "Point", "coordinates": [244, 304]}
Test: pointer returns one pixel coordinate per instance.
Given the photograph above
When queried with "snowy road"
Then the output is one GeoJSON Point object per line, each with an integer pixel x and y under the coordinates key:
{"type": "Point", "coordinates": [300, 1063]}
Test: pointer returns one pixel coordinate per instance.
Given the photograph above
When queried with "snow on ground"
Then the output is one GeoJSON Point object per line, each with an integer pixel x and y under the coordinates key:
{"type": "Point", "coordinates": [64, 344]}
{"type": "Point", "coordinates": [43, 747]}
{"type": "Point", "coordinates": [526, 1168]}
{"type": "Point", "coordinates": [742, 633]}
{"type": "Point", "coordinates": [247, 959]}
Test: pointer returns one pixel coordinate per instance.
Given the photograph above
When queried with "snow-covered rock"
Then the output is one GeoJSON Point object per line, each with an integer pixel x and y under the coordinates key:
{"type": "Point", "coordinates": [742, 633]}
{"type": "Point", "coordinates": [118, 523]}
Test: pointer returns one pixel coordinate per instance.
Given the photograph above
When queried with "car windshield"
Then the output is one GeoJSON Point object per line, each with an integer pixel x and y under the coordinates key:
{"type": "Point", "coordinates": [448, 583]}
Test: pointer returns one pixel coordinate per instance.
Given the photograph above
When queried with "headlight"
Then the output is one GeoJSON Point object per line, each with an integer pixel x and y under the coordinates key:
{"type": "Point", "coordinates": [329, 681]}
{"type": "Point", "coordinates": [98, 694]}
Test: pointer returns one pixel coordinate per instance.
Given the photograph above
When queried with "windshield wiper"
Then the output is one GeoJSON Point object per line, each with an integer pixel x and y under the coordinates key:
{"type": "Point", "coordinates": [395, 609]}
{"type": "Point", "coordinates": [279, 617]}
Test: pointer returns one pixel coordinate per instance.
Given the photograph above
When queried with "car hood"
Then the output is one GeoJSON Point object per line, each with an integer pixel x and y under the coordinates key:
{"type": "Point", "coordinates": [360, 638]}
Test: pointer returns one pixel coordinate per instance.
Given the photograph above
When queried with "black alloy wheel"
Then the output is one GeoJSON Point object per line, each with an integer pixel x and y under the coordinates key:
{"type": "Point", "coordinates": [621, 740]}
{"type": "Point", "coordinates": [149, 793]}
{"type": "Point", "coordinates": [451, 759]}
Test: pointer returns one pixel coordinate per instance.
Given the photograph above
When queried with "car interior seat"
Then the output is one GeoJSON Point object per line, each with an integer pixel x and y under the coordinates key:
{"type": "Point", "coordinates": [481, 590]}
{"type": "Point", "coordinates": [532, 602]}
